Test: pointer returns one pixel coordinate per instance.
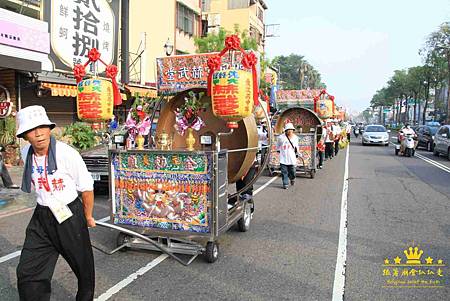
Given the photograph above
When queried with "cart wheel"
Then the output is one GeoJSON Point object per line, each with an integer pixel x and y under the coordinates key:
{"type": "Point", "coordinates": [244, 222]}
{"type": "Point", "coordinates": [312, 174]}
{"type": "Point", "coordinates": [122, 239]}
{"type": "Point", "coordinates": [212, 251]}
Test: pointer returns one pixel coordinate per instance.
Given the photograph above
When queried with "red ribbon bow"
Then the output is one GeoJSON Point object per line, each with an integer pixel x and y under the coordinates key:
{"type": "Point", "coordinates": [233, 42]}
{"type": "Point", "coordinates": [111, 72]}
{"type": "Point", "coordinates": [249, 60]}
{"type": "Point", "coordinates": [93, 55]}
{"type": "Point", "coordinates": [79, 72]}
{"type": "Point", "coordinates": [214, 63]}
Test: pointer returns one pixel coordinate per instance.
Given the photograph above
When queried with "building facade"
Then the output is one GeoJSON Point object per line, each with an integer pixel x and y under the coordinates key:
{"type": "Point", "coordinates": [246, 14]}
{"type": "Point", "coordinates": [159, 28]}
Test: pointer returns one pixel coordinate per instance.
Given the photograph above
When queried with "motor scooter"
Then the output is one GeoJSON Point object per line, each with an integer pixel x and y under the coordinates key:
{"type": "Point", "coordinates": [408, 146]}
{"type": "Point", "coordinates": [356, 132]}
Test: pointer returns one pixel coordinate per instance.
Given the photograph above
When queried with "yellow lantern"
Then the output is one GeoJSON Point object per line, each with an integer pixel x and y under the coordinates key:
{"type": "Point", "coordinates": [232, 95]}
{"type": "Point", "coordinates": [94, 99]}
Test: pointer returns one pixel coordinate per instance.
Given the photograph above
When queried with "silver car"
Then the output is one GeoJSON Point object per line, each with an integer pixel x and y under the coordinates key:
{"type": "Point", "coordinates": [375, 134]}
{"type": "Point", "coordinates": [442, 141]}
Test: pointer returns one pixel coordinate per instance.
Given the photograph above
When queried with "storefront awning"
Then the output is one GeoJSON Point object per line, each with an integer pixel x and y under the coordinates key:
{"type": "Point", "coordinates": [142, 91]}
{"type": "Point", "coordinates": [66, 90]}
{"type": "Point", "coordinates": [61, 90]}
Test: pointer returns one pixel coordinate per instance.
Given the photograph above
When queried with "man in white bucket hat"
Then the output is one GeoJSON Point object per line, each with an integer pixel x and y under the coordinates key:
{"type": "Point", "coordinates": [287, 145]}
{"type": "Point", "coordinates": [59, 225]}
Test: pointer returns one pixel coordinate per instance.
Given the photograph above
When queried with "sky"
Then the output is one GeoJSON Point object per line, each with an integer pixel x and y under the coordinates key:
{"type": "Point", "coordinates": [355, 44]}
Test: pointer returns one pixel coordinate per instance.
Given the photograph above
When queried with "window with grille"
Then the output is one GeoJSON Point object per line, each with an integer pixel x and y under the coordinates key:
{"type": "Point", "coordinates": [234, 4]}
{"type": "Point", "coordinates": [186, 19]}
{"type": "Point", "coordinates": [206, 5]}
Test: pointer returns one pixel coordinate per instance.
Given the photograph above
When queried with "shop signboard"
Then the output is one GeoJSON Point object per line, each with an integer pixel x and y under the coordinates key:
{"type": "Point", "coordinates": [162, 190]}
{"type": "Point", "coordinates": [5, 102]}
{"type": "Point", "coordinates": [183, 72]}
{"type": "Point", "coordinates": [78, 26]}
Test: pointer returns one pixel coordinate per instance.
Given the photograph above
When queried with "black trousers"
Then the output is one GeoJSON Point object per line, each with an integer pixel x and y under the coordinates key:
{"type": "Point", "coordinates": [45, 240]}
{"type": "Point", "coordinates": [6, 178]}
{"type": "Point", "coordinates": [241, 183]}
{"type": "Point", "coordinates": [336, 147]}
{"type": "Point", "coordinates": [329, 150]}
{"type": "Point", "coordinates": [320, 156]}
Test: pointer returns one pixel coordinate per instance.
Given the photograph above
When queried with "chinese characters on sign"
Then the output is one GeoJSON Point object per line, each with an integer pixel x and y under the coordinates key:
{"type": "Point", "coordinates": [168, 191]}
{"type": "Point", "coordinates": [94, 100]}
{"type": "Point", "coordinates": [183, 72]}
{"type": "Point", "coordinates": [80, 25]}
{"type": "Point", "coordinates": [231, 96]}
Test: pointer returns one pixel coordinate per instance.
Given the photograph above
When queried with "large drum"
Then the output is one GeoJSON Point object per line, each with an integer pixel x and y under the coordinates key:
{"type": "Point", "coordinates": [245, 136]}
{"type": "Point", "coordinates": [303, 119]}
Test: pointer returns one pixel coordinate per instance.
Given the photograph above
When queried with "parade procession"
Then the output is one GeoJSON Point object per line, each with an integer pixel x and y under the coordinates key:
{"type": "Point", "coordinates": [185, 150]}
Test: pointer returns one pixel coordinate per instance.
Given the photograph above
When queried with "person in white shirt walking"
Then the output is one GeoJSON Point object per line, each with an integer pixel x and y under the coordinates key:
{"type": "Point", "coordinates": [287, 145]}
{"type": "Point", "coordinates": [59, 225]}
{"type": "Point", "coordinates": [329, 141]}
{"type": "Point", "coordinates": [337, 136]}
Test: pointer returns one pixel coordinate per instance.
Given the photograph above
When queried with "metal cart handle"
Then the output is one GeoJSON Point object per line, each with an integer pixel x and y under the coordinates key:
{"type": "Point", "coordinates": [149, 240]}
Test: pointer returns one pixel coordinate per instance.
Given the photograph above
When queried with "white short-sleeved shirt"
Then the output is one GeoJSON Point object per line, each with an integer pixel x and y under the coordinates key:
{"type": "Point", "coordinates": [70, 177]}
{"type": "Point", "coordinates": [287, 152]}
{"type": "Point", "coordinates": [262, 137]}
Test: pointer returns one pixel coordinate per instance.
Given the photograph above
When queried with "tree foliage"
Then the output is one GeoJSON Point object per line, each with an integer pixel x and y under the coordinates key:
{"type": "Point", "coordinates": [214, 42]}
{"type": "Point", "coordinates": [296, 73]}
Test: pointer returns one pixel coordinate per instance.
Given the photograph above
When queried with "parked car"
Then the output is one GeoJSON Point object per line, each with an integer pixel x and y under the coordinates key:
{"type": "Point", "coordinates": [442, 141]}
{"type": "Point", "coordinates": [425, 136]}
{"type": "Point", "coordinates": [375, 134]}
{"type": "Point", "coordinates": [96, 160]}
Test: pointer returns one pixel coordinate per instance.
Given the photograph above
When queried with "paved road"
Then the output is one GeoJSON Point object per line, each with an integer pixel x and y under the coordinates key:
{"type": "Point", "coordinates": [290, 253]}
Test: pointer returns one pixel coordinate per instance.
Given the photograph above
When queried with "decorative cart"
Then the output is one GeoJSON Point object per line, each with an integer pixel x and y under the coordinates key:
{"type": "Point", "coordinates": [309, 131]}
{"type": "Point", "coordinates": [176, 195]}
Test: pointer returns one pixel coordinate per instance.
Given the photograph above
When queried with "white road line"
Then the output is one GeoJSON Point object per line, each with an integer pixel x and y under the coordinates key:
{"type": "Point", "coordinates": [339, 274]}
{"type": "Point", "coordinates": [17, 253]}
{"type": "Point", "coordinates": [10, 256]}
{"type": "Point", "coordinates": [432, 162]}
{"type": "Point", "coordinates": [122, 284]}
{"type": "Point", "coordinates": [265, 185]}
{"type": "Point", "coordinates": [105, 219]}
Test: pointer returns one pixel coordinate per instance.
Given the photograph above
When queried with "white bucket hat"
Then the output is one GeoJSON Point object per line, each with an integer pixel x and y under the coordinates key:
{"type": "Point", "coordinates": [289, 126]}
{"type": "Point", "coordinates": [31, 117]}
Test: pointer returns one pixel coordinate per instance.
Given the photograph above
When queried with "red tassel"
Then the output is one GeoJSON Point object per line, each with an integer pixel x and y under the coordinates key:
{"type": "Point", "coordinates": [111, 72]}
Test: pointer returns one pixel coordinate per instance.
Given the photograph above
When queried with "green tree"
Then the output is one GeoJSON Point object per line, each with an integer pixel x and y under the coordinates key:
{"type": "Point", "coordinates": [214, 42]}
{"type": "Point", "coordinates": [437, 51]}
{"type": "Point", "coordinates": [297, 73]}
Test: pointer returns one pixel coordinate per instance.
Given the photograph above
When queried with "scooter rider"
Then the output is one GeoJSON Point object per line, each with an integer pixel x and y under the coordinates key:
{"type": "Point", "coordinates": [407, 130]}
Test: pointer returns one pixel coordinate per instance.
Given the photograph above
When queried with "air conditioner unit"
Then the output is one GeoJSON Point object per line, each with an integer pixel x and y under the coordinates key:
{"type": "Point", "coordinates": [214, 21]}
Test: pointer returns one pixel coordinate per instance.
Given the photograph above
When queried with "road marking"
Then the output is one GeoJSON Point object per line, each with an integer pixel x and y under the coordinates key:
{"type": "Point", "coordinates": [432, 162]}
{"type": "Point", "coordinates": [125, 282]}
{"type": "Point", "coordinates": [339, 273]}
{"type": "Point", "coordinates": [105, 219]}
{"type": "Point", "coordinates": [265, 185]}
{"type": "Point", "coordinates": [10, 256]}
{"type": "Point", "coordinates": [14, 212]}
{"type": "Point", "coordinates": [17, 253]}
